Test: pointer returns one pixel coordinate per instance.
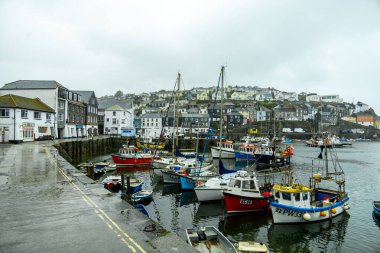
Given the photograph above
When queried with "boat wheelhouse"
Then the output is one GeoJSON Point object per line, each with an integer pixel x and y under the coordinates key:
{"type": "Point", "coordinates": [246, 152]}
{"type": "Point", "coordinates": [224, 149]}
{"type": "Point", "coordinates": [243, 194]}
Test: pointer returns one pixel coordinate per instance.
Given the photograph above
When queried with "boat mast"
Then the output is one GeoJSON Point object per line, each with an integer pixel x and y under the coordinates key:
{"type": "Point", "coordinates": [175, 120]}
{"type": "Point", "coordinates": [221, 113]}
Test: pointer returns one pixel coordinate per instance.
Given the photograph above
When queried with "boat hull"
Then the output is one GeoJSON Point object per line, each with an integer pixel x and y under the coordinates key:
{"type": "Point", "coordinates": [225, 154]}
{"type": "Point", "coordinates": [291, 214]}
{"type": "Point", "coordinates": [121, 160]}
{"type": "Point", "coordinates": [187, 183]}
{"type": "Point", "coordinates": [376, 208]}
{"type": "Point", "coordinates": [236, 203]}
{"type": "Point", "coordinates": [170, 177]}
{"type": "Point", "coordinates": [244, 156]}
{"type": "Point", "coordinates": [209, 194]}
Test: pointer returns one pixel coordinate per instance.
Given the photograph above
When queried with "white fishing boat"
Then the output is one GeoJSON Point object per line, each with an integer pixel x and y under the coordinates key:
{"type": "Point", "coordinates": [212, 189]}
{"type": "Point", "coordinates": [297, 203]}
{"type": "Point", "coordinates": [209, 239]}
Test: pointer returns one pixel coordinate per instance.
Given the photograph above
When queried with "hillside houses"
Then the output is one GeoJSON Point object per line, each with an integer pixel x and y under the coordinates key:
{"type": "Point", "coordinates": [80, 113]}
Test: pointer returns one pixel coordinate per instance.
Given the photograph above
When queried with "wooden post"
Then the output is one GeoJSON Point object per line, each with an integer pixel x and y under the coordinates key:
{"type": "Point", "coordinates": [129, 185]}
{"type": "Point", "coordinates": [90, 172]}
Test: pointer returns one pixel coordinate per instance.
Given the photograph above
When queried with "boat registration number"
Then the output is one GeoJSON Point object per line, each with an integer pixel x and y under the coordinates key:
{"type": "Point", "coordinates": [245, 201]}
{"type": "Point", "coordinates": [288, 212]}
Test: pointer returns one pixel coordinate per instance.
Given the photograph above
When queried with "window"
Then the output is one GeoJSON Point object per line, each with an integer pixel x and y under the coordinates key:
{"type": "Point", "coordinates": [114, 121]}
{"type": "Point", "coordinates": [297, 196]}
{"type": "Point", "coordinates": [60, 117]}
{"type": "Point", "coordinates": [61, 104]}
{"type": "Point", "coordinates": [24, 114]}
{"type": "Point", "coordinates": [305, 195]}
{"type": "Point", "coordinates": [48, 116]}
{"type": "Point", "coordinates": [108, 120]}
{"type": "Point", "coordinates": [4, 112]}
{"type": "Point", "coordinates": [42, 130]}
{"type": "Point", "coordinates": [37, 115]}
{"type": "Point", "coordinates": [113, 113]}
{"type": "Point", "coordinates": [286, 196]}
{"type": "Point", "coordinates": [123, 121]}
{"type": "Point", "coordinates": [277, 194]}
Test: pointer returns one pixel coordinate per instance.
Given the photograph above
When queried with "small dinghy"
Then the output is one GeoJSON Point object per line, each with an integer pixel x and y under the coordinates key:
{"type": "Point", "coordinates": [141, 196]}
{"type": "Point", "coordinates": [209, 239]}
{"type": "Point", "coordinates": [251, 247]}
{"type": "Point", "coordinates": [142, 209]}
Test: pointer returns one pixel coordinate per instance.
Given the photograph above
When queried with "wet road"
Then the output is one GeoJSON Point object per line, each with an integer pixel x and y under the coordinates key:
{"type": "Point", "coordinates": [47, 206]}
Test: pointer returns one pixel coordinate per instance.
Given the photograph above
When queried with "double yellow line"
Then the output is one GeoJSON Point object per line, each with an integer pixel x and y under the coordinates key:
{"type": "Point", "coordinates": [112, 225]}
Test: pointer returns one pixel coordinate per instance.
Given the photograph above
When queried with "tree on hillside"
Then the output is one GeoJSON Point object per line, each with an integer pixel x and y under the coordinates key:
{"type": "Point", "coordinates": [119, 94]}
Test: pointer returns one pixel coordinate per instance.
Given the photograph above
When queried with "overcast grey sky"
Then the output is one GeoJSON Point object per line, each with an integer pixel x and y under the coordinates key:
{"type": "Point", "coordinates": [328, 47]}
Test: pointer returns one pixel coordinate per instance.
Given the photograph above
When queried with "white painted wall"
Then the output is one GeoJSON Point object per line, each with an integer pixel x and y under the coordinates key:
{"type": "Point", "coordinates": [17, 124]}
{"type": "Point", "coordinates": [123, 119]}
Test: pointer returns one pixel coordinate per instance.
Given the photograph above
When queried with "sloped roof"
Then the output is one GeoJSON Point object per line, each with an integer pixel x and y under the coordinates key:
{"type": "Point", "coordinates": [35, 104]}
{"type": "Point", "coordinates": [115, 108]}
{"type": "Point", "coordinates": [108, 102]}
{"type": "Point", "coordinates": [32, 84]}
{"type": "Point", "coordinates": [86, 94]}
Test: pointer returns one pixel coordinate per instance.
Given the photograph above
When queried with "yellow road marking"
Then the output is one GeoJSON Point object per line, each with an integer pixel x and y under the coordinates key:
{"type": "Point", "coordinates": [111, 224]}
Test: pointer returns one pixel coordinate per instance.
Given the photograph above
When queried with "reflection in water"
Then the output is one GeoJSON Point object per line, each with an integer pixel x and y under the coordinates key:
{"type": "Point", "coordinates": [327, 236]}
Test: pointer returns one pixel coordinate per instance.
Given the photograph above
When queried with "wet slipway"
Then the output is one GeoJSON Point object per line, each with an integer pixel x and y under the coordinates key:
{"type": "Point", "coordinates": [47, 206]}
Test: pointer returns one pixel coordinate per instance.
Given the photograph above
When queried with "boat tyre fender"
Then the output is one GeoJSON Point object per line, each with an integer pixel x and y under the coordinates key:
{"type": "Point", "coordinates": [150, 228]}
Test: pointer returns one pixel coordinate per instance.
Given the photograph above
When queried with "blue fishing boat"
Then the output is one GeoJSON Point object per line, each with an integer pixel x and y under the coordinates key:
{"type": "Point", "coordinates": [376, 208]}
{"type": "Point", "coordinates": [135, 185]}
{"type": "Point", "coordinates": [187, 182]}
{"type": "Point", "coordinates": [178, 153]}
{"type": "Point", "coordinates": [142, 196]}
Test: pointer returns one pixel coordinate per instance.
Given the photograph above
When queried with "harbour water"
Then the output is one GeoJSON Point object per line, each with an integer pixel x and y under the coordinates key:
{"type": "Point", "coordinates": [355, 231]}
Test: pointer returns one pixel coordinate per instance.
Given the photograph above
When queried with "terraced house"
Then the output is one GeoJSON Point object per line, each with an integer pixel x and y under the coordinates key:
{"type": "Point", "coordinates": [25, 119]}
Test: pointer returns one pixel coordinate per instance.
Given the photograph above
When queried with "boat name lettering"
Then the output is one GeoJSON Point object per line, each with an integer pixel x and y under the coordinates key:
{"type": "Point", "coordinates": [288, 212]}
{"type": "Point", "coordinates": [246, 202]}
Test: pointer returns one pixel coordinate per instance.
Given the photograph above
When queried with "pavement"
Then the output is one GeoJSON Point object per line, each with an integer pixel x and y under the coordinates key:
{"type": "Point", "coordinates": [47, 205]}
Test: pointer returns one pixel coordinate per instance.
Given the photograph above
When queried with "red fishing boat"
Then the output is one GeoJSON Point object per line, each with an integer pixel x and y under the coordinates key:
{"type": "Point", "coordinates": [243, 194]}
{"type": "Point", "coordinates": [131, 156]}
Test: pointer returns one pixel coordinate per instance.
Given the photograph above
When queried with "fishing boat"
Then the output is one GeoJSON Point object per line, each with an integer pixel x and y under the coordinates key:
{"type": "Point", "coordinates": [376, 208]}
{"type": "Point", "coordinates": [130, 156]}
{"type": "Point", "coordinates": [223, 150]}
{"type": "Point", "coordinates": [170, 175]}
{"type": "Point", "coordinates": [142, 196]}
{"type": "Point", "coordinates": [209, 239]}
{"type": "Point", "coordinates": [212, 189]}
{"type": "Point", "coordinates": [113, 183]}
{"type": "Point", "coordinates": [246, 152]}
{"type": "Point", "coordinates": [244, 195]}
{"type": "Point", "coordinates": [297, 203]}
{"type": "Point", "coordinates": [251, 247]}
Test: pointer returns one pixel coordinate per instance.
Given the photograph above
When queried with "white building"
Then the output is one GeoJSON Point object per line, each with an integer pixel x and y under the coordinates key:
{"type": "Point", "coordinates": [25, 119]}
{"type": "Point", "coordinates": [331, 99]}
{"type": "Point", "coordinates": [313, 97]}
{"type": "Point", "coordinates": [151, 126]}
{"type": "Point", "coordinates": [361, 107]}
{"type": "Point", "coordinates": [118, 120]}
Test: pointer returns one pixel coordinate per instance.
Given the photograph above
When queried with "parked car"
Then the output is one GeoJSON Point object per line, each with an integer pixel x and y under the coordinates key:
{"type": "Point", "coordinates": [299, 130]}
{"type": "Point", "coordinates": [287, 130]}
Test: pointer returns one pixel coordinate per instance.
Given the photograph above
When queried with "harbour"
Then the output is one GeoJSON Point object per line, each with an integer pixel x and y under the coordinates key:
{"type": "Point", "coordinates": [177, 210]}
{"type": "Point", "coordinates": [39, 189]}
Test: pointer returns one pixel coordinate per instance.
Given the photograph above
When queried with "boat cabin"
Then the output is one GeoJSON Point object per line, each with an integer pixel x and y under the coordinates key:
{"type": "Point", "coordinates": [295, 195]}
{"type": "Point", "coordinates": [226, 144]}
{"type": "Point", "coordinates": [247, 148]}
{"type": "Point", "coordinates": [128, 151]}
{"type": "Point", "coordinates": [243, 181]}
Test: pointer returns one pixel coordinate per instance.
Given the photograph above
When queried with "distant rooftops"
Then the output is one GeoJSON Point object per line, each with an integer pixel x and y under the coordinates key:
{"type": "Point", "coordinates": [32, 84]}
